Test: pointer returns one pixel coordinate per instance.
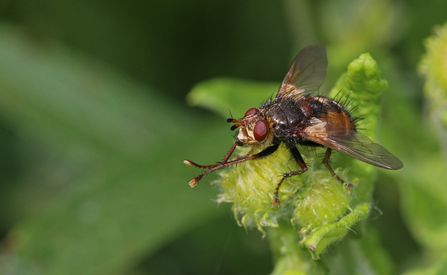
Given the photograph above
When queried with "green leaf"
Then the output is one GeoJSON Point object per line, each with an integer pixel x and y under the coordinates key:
{"type": "Point", "coordinates": [423, 199]}
{"type": "Point", "coordinates": [438, 268]}
{"type": "Point", "coordinates": [223, 95]}
{"type": "Point", "coordinates": [129, 195]}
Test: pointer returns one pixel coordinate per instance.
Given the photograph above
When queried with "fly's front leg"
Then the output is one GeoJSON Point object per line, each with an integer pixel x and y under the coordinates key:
{"type": "Point", "coordinates": [227, 156]}
{"type": "Point", "coordinates": [299, 159]}
{"type": "Point", "coordinates": [268, 151]}
{"type": "Point", "coordinates": [246, 155]}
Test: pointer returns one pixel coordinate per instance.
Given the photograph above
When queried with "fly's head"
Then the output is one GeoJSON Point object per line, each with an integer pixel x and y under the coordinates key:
{"type": "Point", "coordinates": [255, 129]}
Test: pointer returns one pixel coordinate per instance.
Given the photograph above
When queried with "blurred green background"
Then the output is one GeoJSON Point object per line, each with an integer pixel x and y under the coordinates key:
{"type": "Point", "coordinates": [94, 127]}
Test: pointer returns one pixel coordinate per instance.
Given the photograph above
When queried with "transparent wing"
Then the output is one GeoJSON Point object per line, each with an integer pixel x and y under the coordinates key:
{"type": "Point", "coordinates": [307, 73]}
{"type": "Point", "coordinates": [338, 137]}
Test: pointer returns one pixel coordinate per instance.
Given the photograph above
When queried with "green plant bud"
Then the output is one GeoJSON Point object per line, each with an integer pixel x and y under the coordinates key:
{"type": "Point", "coordinates": [434, 68]}
{"type": "Point", "coordinates": [321, 201]}
{"type": "Point", "coordinates": [250, 186]}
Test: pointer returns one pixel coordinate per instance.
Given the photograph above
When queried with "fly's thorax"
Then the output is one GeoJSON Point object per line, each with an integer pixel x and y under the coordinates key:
{"type": "Point", "coordinates": [256, 130]}
{"type": "Point", "coordinates": [286, 113]}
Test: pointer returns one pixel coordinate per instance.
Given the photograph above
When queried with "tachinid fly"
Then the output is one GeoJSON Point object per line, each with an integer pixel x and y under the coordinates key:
{"type": "Point", "coordinates": [296, 117]}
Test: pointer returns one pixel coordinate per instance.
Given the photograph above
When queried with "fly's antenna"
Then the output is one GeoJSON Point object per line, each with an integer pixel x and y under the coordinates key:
{"type": "Point", "coordinates": [234, 127]}
{"type": "Point", "coordinates": [232, 120]}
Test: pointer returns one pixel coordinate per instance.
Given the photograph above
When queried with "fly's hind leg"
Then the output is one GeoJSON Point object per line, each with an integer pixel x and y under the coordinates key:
{"type": "Point", "coordinates": [299, 159]}
{"type": "Point", "coordinates": [326, 162]}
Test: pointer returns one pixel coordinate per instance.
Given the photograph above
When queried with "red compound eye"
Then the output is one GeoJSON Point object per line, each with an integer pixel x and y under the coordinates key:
{"type": "Point", "coordinates": [261, 130]}
{"type": "Point", "coordinates": [251, 111]}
